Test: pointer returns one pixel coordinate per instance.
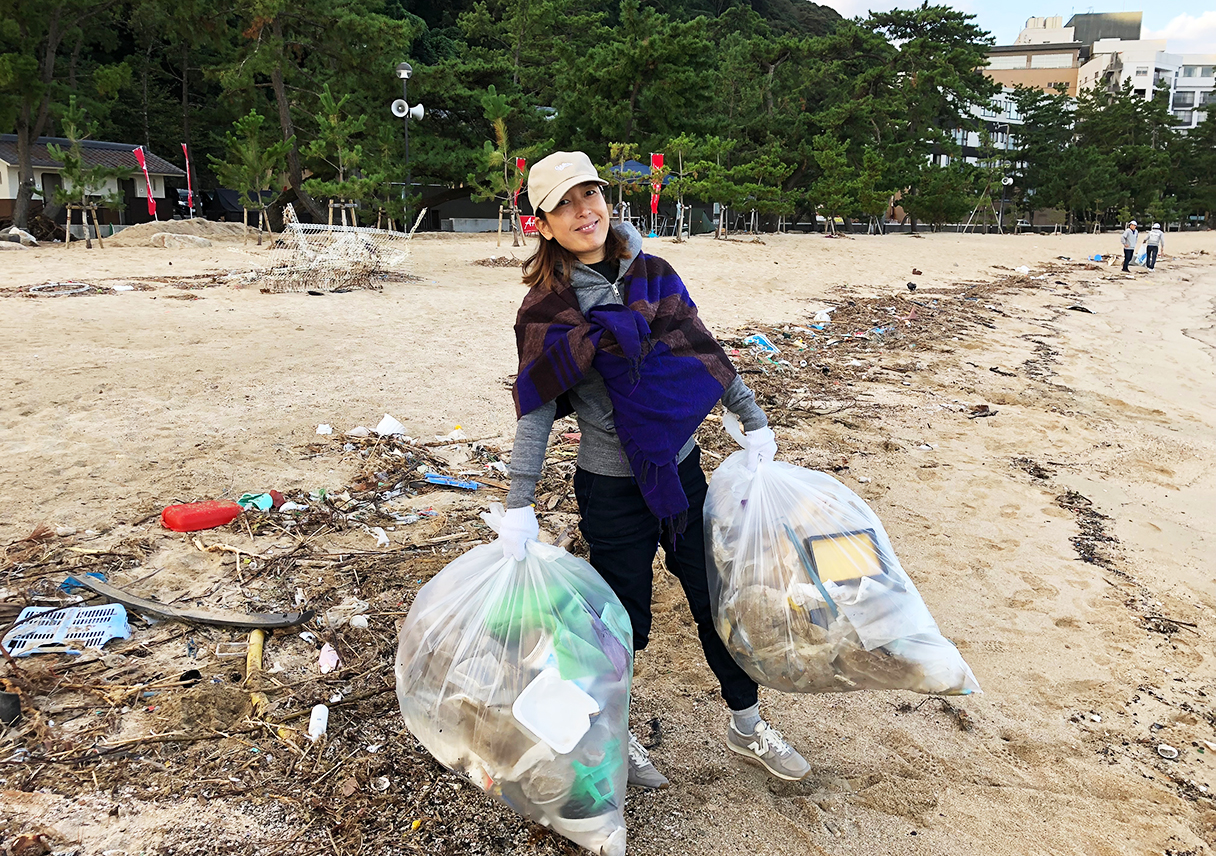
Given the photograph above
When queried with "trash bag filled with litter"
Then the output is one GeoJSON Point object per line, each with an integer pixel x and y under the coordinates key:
{"type": "Point", "coordinates": [806, 591]}
{"type": "Point", "coordinates": [517, 674]}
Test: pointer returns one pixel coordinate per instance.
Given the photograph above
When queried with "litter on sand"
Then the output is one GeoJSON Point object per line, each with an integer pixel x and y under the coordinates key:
{"type": "Point", "coordinates": [389, 426]}
{"type": "Point", "coordinates": [47, 630]}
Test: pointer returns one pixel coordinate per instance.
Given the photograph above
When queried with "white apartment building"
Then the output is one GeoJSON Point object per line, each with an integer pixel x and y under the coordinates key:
{"type": "Point", "coordinates": [1187, 78]}
{"type": "Point", "coordinates": [1105, 50]}
{"type": "Point", "coordinates": [1194, 95]}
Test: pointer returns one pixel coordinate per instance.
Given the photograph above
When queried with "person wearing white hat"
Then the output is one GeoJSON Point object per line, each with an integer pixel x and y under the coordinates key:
{"type": "Point", "coordinates": [609, 333]}
{"type": "Point", "coordinates": [1153, 243]}
{"type": "Point", "coordinates": [1129, 245]}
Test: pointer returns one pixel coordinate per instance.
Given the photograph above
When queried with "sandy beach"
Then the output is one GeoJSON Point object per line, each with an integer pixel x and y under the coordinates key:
{"type": "Point", "coordinates": [1064, 543]}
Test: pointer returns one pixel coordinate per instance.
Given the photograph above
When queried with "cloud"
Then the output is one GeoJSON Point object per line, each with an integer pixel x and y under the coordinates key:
{"type": "Point", "coordinates": [1188, 34]}
{"type": "Point", "coordinates": [861, 8]}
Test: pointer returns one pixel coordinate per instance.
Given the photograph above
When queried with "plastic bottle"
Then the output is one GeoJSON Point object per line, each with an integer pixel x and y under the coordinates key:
{"type": "Point", "coordinates": [199, 515]}
{"type": "Point", "coordinates": [318, 722]}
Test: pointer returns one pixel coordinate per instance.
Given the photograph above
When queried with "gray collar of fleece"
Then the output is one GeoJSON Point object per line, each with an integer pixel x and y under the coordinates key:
{"type": "Point", "coordinates": [584, 277]}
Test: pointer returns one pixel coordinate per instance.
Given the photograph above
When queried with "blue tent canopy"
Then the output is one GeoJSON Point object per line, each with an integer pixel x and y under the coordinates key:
{"type": "Point", "coordinates": [638, 168]}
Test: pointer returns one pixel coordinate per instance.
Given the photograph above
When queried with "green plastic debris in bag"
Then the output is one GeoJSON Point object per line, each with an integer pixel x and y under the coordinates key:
{"type": "Point", "coordinates": [517, 675]}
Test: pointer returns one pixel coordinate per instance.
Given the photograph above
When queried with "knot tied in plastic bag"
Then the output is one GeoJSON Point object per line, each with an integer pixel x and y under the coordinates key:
{"type": "Point", "coordinates": [516, 673]}
{"type": "Point", "coordinates": [806, 592]}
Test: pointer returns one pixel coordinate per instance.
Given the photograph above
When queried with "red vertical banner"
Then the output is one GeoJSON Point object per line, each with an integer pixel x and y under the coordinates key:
{"type": "Point", "coordinates": [656, 184]}
{"type": "Point", "coordinates": [189, 183]}
{"type": "Point", "coordinates": [143, 163]}
{"type": "Point", "coordinates": [520, 165]}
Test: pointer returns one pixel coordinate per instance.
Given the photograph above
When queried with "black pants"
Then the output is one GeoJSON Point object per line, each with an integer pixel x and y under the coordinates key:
{"type": "Point", "coordinates": [623, 535]}
{"type": "Point", "coordinates": [1151, 260]}
{"type": "Point", "coordinates": [1127, 258]}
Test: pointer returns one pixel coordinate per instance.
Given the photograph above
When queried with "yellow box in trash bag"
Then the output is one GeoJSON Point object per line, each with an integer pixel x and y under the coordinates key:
{"type": "Point", "coordinates": [845, 555]}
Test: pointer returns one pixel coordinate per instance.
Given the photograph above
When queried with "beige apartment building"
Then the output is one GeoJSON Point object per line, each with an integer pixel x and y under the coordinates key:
{"type": "Point", "coordinates": [1052, 68]}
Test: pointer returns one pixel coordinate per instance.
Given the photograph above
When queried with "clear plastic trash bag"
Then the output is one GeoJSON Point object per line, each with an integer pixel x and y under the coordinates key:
{"type": "Point", "coordinates": [806, 591]}
{"type": "Point", "coordinates": [517, 675]}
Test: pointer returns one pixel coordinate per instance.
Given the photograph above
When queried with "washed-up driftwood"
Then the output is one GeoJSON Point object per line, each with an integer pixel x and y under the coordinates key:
{"type": "Point", "coordinates": [264, 620]}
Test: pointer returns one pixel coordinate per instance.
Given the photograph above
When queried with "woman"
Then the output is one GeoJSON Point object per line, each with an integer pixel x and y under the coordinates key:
{"type": "Point", "coordinates": [610, 333]}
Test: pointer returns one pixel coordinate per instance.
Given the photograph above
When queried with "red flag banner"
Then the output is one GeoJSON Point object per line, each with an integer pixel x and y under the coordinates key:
{"type": "Point", "coordinates": [656, 185]}
{"type": "Point", "coordinates": [520, 165]}
{"type": "Point", "coordinates": [189, 183]}
{"type": "Point", "coordinates": [143, 163]}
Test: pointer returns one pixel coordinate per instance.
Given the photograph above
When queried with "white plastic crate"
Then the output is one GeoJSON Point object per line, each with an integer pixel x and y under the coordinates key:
{"type": "Point", "coordinates": [46, 630]}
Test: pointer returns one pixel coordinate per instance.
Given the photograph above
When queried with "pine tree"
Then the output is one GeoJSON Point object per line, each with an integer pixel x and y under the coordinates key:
{"type": "Point", "coordinates": [335, 151]}
{"type": "Point", "coordinates": [85, 188]}
{"type": "Point", "coordinates": [252, 165]}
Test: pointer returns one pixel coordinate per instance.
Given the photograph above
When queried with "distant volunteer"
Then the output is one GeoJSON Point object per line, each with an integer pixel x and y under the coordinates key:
{"type": "Point", "coordinates": [609, 333]}
{"type": "Point", "coordinates": [1129, 245]}
{"type": "Point", "coordinates": [1154, 242]}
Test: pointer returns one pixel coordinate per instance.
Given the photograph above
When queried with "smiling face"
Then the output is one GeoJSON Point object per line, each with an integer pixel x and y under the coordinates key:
{"type": "Point", "coordinates": [579, 222]}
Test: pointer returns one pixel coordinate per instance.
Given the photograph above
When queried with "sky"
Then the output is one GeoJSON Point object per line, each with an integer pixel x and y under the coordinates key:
{"type": "Point", "coordinates": [1189, 25]}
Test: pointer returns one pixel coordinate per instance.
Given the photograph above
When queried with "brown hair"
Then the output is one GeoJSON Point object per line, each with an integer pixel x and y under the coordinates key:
{"type": "Point", "coordinates": [549, 267]}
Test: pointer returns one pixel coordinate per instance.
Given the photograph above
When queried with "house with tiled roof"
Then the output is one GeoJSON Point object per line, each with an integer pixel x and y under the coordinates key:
{"type": "Point", "coordinates": [95, 153]}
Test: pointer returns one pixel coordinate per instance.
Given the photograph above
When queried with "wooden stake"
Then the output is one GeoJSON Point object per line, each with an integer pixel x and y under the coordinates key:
{"type": "Point", "coordinates": [97, 226]}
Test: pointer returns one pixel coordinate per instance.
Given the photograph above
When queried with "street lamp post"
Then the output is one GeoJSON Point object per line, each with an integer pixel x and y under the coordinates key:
{"type": "Point", "coordinates": [1005, 179]}
{"type": "Point", "coordinates": [402, 110]}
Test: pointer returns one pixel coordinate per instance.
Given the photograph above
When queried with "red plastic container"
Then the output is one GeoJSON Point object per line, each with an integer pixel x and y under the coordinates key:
{"type": "Point", "coordinates": [199, 515]}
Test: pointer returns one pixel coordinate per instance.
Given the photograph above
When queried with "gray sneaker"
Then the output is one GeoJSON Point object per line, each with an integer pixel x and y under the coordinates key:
{"type": "Point", "coordinates": [766, 746]}
{"type": "Point", "coordinates": [642, 773]}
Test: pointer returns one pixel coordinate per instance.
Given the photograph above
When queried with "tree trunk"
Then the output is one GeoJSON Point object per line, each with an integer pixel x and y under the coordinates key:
{"type": "Point", "coordinates": [633, 100]}
{"type": "Point", "coordinates": [75, 59]}
{"type": "Point", "coordinates": [294, 171]}
{"type": "Point", "coordinates": [147, 130]}
{"type": "Point", "coordinates": [186, 99]}
{"type": "Point", "coordinates": [245, 223]}
{"type": "Point", "coordinates": [25, 170]}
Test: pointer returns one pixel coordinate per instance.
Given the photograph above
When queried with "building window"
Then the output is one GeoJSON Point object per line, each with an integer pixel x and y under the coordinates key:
{"type": "Point", "coordinates": [1142, 72]}
{"type": "Point", "coordinates": [1006, 62]}
{"type": "Point", "coordinates": [1051, 61]}
{"type": "Point", "coordinates": [1190, 71]}
{"type": "Point", "coordinates": [1184, 99]}
{"type": "Point", "coordinates": [1184, 117]}
{"type": "Point", "coordinates": [1206, 98]}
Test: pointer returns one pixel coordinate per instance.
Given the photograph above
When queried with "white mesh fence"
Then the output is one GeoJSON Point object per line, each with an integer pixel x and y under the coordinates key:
{"type": "Point", "coordinates": [320, 257]}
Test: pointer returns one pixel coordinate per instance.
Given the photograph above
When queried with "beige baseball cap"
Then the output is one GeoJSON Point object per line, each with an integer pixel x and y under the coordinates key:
{"type": "Point", "coordinates": [551, 176]}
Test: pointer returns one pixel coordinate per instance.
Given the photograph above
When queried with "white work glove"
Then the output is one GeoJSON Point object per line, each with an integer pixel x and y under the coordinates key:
{"type": "Point", "coordinates": [515, 528]}
{"type": "Point", "coordinates": [761, 446]}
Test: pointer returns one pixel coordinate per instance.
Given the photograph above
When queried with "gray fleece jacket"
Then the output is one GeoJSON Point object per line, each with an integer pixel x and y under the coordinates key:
{"type": "Point", "coordinates": [599, 449]}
